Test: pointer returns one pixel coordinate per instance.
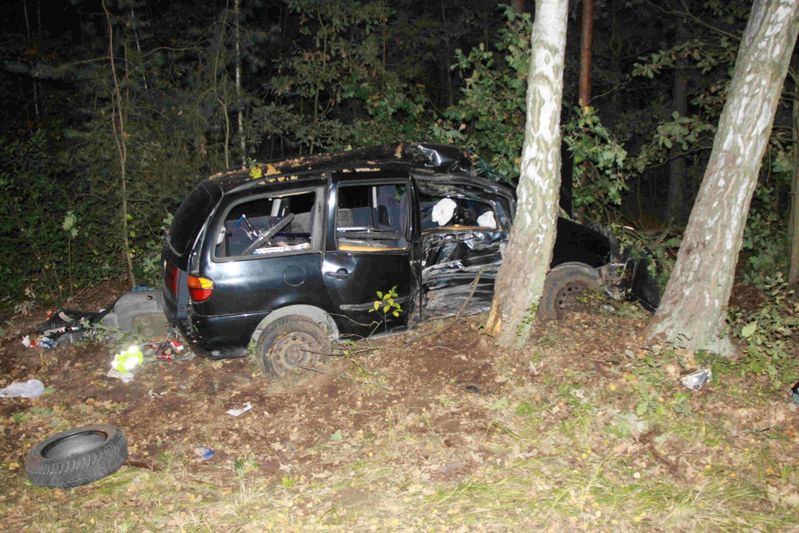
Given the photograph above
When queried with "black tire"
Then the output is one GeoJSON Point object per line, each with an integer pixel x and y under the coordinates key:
{"type": "Point", "coordinates": [77, 456]}
{"type": "Point", "coordinates": [564, 285]}
{"type": "Point", "coordinates": [291, 343]}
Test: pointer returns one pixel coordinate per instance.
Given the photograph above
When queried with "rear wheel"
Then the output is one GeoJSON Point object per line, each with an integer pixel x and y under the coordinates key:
{"type": "Point", "coordinates": [566, 288]}
{"type": "Point", "coordinates": [291, 343]}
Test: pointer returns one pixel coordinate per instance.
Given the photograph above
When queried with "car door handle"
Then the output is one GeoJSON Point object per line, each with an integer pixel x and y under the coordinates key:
{"type": "Point", "coordinates": [341, 273]}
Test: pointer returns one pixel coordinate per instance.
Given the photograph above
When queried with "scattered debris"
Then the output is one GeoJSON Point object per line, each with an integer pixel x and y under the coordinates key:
{"type": "Point", "coordinates": [125, 362]}
{"type": "Point", "coordinates": [165, 350]}
{"type": "Point", "coordinates": [238, 412]}
{"type": "Point", "coordinates": [204, 453]}
{"type": "Point", "coordinates": [68, 321]}
{"type": "Point", "coordinates": [697, 380]}
{"type": "Point", "coordinates": [40, 342]}
{"type": "Point", "coordinates": [28, 389]}
{"type": "Point", "coordinates": [139, 311]}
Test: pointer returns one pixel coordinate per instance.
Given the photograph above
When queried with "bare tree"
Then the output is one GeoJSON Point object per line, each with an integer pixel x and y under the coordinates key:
{"type": "Point", "coordinates": [117, 115]}
{"type": "Point", "coordinates": [679, 103]}
{"type": "Point", "coordinates": [693, 312]}
{"type": "Point", "coordinates": [240, 114]}
{"type": "Point", "coordinates": [520, 281]}
{"type": "Point", "coordinates": [586, 40]}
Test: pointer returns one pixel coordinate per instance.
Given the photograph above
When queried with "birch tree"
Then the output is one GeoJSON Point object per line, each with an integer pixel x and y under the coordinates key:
{"type": "Point", "coordinates": [520, 280]}
{"type": "Point", "coordinates": [693, 312]}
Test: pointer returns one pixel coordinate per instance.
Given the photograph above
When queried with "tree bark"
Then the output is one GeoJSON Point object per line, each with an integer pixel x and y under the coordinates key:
{"type": "Point", "coordinates": [445, 70]}
{"type": "Point", "coordinates": [240, 100]}
{"type": "Point", "coordinates": [679, 103]}
{"type": "Point", "coordinates": [586, 39]}
{"type": "Point", "coordinates": [692, 313]}
{"type": "Point", "coordinates": [520, 280]}
{"type": "Point", "coordinates": [793, 270]}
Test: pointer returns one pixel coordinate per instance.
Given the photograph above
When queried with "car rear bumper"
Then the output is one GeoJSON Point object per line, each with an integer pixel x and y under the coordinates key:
{"type": "Point", "coordinates": [222, 336]}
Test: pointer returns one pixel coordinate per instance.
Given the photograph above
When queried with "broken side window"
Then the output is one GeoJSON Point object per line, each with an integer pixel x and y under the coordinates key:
{"type": "Point", "coordinates": [268, 225]}
{"type": "Point", "coordinates": [455, 213]}
{"type": "Point", "coordinates": [372, 218]}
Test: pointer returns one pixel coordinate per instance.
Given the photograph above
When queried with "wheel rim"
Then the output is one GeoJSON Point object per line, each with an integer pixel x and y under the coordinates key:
{"type": "Point", "coordinates": [568, 297]}
{"type": "Point", "coordinates": [74, 444]}
{"type": "Point", "coordinates": [293, 350]}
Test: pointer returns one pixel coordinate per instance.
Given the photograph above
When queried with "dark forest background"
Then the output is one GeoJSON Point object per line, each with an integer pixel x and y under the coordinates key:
{"type": "Point", "coordinates": [112, 111]}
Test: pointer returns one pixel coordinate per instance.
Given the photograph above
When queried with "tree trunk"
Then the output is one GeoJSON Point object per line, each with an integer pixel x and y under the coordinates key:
{"type": "Point", "coordinates": [586, 39]}
{"type": "Point", "coordinates": [520, 280]}
{"type": "Point", "coordinates": [445, 64]}
{"type": "Point", "coordinates": [679, 103]}
{"type": "Point", "coordinates": [240, 100]}
{"type": "Point", "coordinates": [120, 136]}
{"type": "Point", "coordinates": [793, 270]}
{"type": "Point", "coordinates": [518, 6]}
{"type": "Point", "coordinates": [692, 313]}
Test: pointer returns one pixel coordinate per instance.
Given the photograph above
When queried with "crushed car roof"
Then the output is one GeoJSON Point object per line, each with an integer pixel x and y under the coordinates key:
{"type": "Point", "coordinates": [425, 157]}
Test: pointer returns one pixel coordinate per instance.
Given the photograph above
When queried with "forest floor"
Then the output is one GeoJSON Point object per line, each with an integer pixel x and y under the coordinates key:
{"type": "Point", "coordinates": [437, 429]}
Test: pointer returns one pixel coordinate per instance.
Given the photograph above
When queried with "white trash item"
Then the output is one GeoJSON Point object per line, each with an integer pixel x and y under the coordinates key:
{"type": "Point", "coordinates": [29, 389]}
{"type": "Point", "coordinates": [238, 412]}
{"type": "Point", "coordinates": [697, 380]}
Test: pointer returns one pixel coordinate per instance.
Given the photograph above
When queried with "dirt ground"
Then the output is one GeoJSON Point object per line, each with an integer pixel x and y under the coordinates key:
{"type": "Point", "coordinates": [397, 433]}
{"type": "Point", "coordinates": [181, 405]}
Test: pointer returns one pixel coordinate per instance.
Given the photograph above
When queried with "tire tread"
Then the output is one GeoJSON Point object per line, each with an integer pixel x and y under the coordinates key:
{"type": "Point", "coordinates": [81, 468]}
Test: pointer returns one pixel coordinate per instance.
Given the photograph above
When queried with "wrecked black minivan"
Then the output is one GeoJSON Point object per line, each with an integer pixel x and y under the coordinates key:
{"type": "Point", "coordinates": [291, 254]}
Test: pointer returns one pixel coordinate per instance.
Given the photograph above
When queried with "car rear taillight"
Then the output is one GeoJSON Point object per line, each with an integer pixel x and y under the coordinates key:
{"type": "Point", "coordinates": [200, 289]}
{"type": "Point", "coordinates": [171, 278]}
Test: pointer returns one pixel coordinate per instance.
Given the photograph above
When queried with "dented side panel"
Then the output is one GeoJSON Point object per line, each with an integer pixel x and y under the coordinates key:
{"type": "Point", "coordinates": [458, 271]}
{"type": "Point", "coordinates": [460, 265]}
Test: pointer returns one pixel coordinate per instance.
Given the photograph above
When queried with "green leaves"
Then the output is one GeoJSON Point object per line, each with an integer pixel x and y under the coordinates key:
{"type": "Point", "coordinates": [70, 224]}
{"type": "Point", "coordinates": [385, 302]}
{"type": "Point", "coordinates": [766, 333]}
{"type": "Point", "coordinates": [599, 162]}
{"type": "Point", "coordinates": [748, 330]}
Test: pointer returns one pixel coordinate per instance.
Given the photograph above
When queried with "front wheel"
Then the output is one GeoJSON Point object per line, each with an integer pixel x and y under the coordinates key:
{"type": "Point", "coordinates": [566, 289]}
{"type": "Point", "coordinates": [291, 343]}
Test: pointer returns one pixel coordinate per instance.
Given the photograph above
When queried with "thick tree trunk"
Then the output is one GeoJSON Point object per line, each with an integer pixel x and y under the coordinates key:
{"type": "Point", "coordinates": [679, 103]}
{"type": "Point", "coordinates": [692, 312]}
{"type": "Point", "coordinates": [586, 39]}
{"type": "Point", "coordinates": [521, 278]}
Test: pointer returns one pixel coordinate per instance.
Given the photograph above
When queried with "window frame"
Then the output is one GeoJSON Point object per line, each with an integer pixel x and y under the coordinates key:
{"type": "Point", "coordinates": [455, 227]}
{"type": "Point", "coordinates": [375, 182]}
{"type": "Point", "coordinates": [317, 228]}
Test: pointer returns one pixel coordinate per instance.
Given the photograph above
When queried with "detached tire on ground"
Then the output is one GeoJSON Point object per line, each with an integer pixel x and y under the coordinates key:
{"type": "Point", "coordinates": [564, 288]}
{"type": "Point", "coordinates": [77, 456]}
{"type": "Point", "coordinates": [291, 343]}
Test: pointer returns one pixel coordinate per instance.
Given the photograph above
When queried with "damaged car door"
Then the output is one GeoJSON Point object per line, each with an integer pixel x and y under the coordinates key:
{"type": "Point", "coordinates": [464, 228]}
{"type": "Point", "coordinates": [368, 250]}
